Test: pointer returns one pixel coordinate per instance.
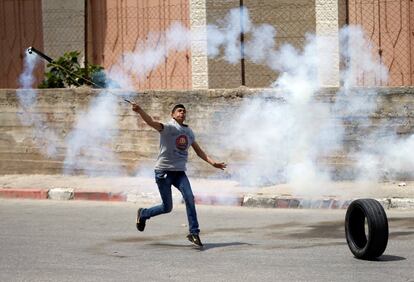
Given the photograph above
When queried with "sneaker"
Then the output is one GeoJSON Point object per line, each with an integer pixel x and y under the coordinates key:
{"type": "Point", "coordinates": [140, 221]}
{"type": "Point", "coordinates": [195, 239]}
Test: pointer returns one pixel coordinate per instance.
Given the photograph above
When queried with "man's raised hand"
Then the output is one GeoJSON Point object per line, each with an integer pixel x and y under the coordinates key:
{"type": "Point", "coordinates": [135, 107]}
{"type": "Point", "coordinates": [221, 166]}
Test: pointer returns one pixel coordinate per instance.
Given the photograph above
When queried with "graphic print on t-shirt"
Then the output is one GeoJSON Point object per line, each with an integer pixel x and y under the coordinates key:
{"type": "Point", "coordinates": [181, 142]}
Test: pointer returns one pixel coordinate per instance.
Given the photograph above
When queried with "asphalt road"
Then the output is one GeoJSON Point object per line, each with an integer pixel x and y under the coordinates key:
{"type": "Point", "coordinates": [45, 240]}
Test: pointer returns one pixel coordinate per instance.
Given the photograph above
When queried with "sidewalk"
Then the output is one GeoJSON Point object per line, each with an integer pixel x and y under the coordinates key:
{"type": "Point", "coordinates": [143, 190]}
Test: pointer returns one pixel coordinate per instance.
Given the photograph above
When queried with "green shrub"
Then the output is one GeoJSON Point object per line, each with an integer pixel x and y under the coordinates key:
{"type": "Point", "coordinates": [66, 71]}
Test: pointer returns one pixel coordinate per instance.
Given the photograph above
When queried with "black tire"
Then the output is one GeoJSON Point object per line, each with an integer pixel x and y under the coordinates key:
{"type": "Point", "coordinates": [373, 244]}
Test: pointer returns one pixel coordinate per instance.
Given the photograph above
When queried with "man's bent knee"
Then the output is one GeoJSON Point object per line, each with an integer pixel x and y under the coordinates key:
{"type": "Point", "coordinates": [167, 208]}
{"type": "Point", "coordinates": [189, 200]}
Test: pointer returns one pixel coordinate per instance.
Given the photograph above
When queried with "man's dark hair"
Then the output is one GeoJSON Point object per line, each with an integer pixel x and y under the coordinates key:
{"type": "Point", "coordinates": [178, 106]}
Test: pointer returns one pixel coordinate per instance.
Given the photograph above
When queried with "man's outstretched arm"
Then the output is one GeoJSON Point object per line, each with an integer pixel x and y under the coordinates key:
{"type": "Point", "coordinates": [206, 158]}
{"type": "Point", "coordinates": [148, 119]}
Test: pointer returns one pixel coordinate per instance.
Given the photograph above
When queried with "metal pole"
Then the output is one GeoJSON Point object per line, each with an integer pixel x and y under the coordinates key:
{"type": "Point", "coordinates": [243, 73]}
{"type": "Point", "coordinates": [347, 12]}
{"type": "Point", "coordinates": [86, 39]}
{"type": "Point", "coordinates": [32, 50]}
{"type": "Point", "coordinates": [379, 36]}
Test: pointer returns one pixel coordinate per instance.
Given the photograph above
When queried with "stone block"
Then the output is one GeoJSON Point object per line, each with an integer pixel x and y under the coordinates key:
{"type": "Point", "coordinates": [61, 194]}
{"type": "Point", "coordinates": [199, 48]}
{"type": "Point", "coordinates": [200, 81]}
{"type": "Point", "coordinates": [282, 202]}
{"type": "Point", "coordinates": [401, 203]}
{"type": "Point", "coordinates": [198, 4]}
{"type": "Point", "coordinates": [199, 64]}
{"type": "Point", "coordinates": [258, 201]}
{"type": "Point", "coordinates": [198, 17]}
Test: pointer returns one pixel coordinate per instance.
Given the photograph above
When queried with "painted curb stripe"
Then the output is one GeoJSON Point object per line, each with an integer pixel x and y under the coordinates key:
{"type": "Point", "coordinates": [24, 193]}
{"type": "Point", "coordinates": [99, 196]}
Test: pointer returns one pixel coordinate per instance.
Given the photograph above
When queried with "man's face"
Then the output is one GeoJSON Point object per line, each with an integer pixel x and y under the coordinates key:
{"type": "Point", "coordinates": [179, 115]}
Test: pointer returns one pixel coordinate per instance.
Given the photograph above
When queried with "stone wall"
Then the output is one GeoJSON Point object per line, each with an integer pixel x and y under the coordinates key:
{"type": "Point", "coordinates": [136, 145]}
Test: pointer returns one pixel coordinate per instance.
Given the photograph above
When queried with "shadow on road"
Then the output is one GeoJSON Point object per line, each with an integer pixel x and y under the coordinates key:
{"type": "Point", "coordinates": [385, 258]}
{"type": "Point", "coordinates": [207, 246]}
{"type": "Point", "coordinates": [390, 258]}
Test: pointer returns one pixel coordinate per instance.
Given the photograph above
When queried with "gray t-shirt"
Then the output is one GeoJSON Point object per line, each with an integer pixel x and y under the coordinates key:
{"type": "Point", "coordinates": [175, 139]}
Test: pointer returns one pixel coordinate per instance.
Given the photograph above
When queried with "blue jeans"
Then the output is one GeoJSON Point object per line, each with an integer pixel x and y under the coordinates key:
{"type": "Point", "coordinates": [164, 180]}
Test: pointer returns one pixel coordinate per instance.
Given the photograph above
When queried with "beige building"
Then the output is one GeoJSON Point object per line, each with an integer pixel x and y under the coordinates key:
{"type": "Point", "coordinates": [104, 30]}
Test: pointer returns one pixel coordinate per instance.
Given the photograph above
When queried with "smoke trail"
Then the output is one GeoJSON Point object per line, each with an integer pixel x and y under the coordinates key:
{"type": "Point", "coordinates": [361, 67]}
{"type": "Point", "coordinates": [148, 55]}
{"type": "Point", "coordinates": [287, 142]}
{"type": "Point", "coordinates": [383, 155]}
{"type": "Point", "coordinates": [90, 143]}
{"type": "Point", "coordinates": [26, 80]}
{"type": "Point", "coordinates": [358, 52]}
{"type": "Point", "coordinates": [43, 136]}
{"type": "Point", "coordinates": [398, 157]}
{"type": "Point", "coordinates": [260, 48]}
{"type": "Point", "coordinates": [227, 35]}
{"type": "Point", "coordinates": [280, 142]}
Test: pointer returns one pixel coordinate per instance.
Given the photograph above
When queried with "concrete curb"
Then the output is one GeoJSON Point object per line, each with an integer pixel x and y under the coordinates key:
{"type": "Point", "coordinates": [24, 193]}
{"type": "Point", "coordinates": [319, 203]}
{"type": "Point", "coordinates": [397, 203]}
{"type": "Point", "coordinates": [99, 196]}
{"type": "Point", "coordinates": [227, 200]}
{"type": "Point", "coordinates": [294, 202]}
{"type": "Point", "coordinates": [249, 200]}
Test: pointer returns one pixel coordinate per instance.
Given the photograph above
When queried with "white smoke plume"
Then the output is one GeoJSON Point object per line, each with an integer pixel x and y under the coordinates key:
{"type": "Point", "coordinates": [358, 52]}
{"type": "Point", "coordinates": [149, 54]}
{"type": "Point", "coordinates": [281, 142]}
{"type": "Point", "coordinates": [383, 154]}
{"type": "Point", "coordinates": [227, 35]}
{"type": "Point", "coordinates": [361, 66]}
{"type": "Point", "coordinates": [26, 80]}
{"type": "Point", "coordinates": [42, 135]}
{"type": "Point", "coordinates": [90, 143]}
{"type": "Point", "coordinates": [260, 48]}
{"type": "Point", "coordinates": [287, 142]}
{"type": "Point", "coordinates": [398, 158]}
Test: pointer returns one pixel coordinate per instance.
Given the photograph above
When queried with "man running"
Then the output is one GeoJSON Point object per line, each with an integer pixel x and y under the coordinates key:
{"type": "Point", "coordinates": [175, 139]}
